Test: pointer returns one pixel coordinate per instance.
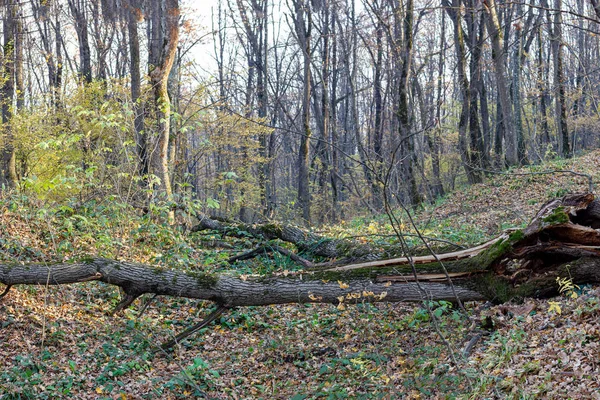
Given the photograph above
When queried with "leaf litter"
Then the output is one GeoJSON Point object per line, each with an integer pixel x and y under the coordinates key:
{"type": "Point", "coordinates": [60, 342]}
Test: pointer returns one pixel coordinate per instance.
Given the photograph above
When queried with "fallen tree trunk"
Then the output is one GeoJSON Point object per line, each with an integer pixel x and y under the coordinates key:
{"type": "Point", "coordinates": [523, 263]}
{"type": "Point", "coordinates": [306, 242]}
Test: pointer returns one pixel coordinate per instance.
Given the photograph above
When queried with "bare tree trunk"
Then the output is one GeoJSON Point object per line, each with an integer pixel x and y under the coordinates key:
{"type": "Point", "coordinates": [165, 18]}
{"type": "Point", "coordinates": [78, 10]}
{"type": "Point", "coordinates": [333, 138]}
{"type": "Point", "coordinates": [303, 26]}
{"type": "Point", "coordinates": [377, 184]}
{"type": "Point", "coordinates": [42, 17]}
{"type": "Point", "coordinates": [19, 40]}
{"type": "Point", "coordinates": [477, 156]}
{"type": "Point", "coordinates": [435, 142]}
{"type": "Point", "coordinates": [499, 58]}
{"type": "Point", "coordinates": [559, 83]}
{"type": "Point", "coordinates": [516, 88]}
{"type": "Point", "coordinates": [407, 151]}
{"type": "Point", "coordinates": [455, 14]}
{"type": "Point", "coordinates": [8, 92]}
{"type": "Point", "coordinates": [257, 35]}
{"type": "Point", "coordinates": [580, 99]}
{"type": "Point", "coordinates": [133, 14]}
{"type": "Point", "coordinates": [541, 79]}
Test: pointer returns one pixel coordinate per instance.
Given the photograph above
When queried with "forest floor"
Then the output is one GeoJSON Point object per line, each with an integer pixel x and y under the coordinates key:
{"type": "Point", "coordinates": [61, 342]}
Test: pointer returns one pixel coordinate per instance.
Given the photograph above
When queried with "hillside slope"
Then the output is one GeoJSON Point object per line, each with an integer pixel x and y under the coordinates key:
{"type": "Point", "coordinates": [61, 342]}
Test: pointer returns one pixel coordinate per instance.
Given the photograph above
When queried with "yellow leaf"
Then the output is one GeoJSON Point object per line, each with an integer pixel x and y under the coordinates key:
{"type": "Point", "coordinates": [341, 306]}
{"type": "Point", "coordinates": [99, 390]}
{"type": "Point", "coordinates": [554, 307]}
{"type": "Point", "coordinates": [343, 285]}
{"type": "Point", "coordinates": [387, 284]}
{"type": "Point", "coordinates": [341, 299]}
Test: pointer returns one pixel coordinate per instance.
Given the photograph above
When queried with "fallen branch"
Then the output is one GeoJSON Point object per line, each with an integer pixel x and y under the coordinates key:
{"type": "Point", "coordinates": [202, 324]}
{"type": "Point", "coordinates": [6, 290]}
{"type": "Point", "coordinates": [525, 263]}
{"type": "Point", "coordinates": [306, 242]}
{"type": "Point", "coordinates": [268, 249]}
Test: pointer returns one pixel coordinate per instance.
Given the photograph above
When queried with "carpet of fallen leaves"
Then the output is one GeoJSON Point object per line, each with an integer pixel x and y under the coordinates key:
{"type": "Point", "coordinates": [62, 342]}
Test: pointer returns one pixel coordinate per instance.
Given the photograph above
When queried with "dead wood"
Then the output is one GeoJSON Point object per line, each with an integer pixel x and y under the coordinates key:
{"type": "Point", "coordinates": [268, 249]}
{"type": "Point", "coordinates": [523, 263]}
{"type": "Point", "coordinates": [306, 242]}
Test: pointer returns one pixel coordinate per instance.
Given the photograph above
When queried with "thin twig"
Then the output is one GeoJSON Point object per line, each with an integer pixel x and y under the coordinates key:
{"type": "Point", "coordinates": [471, 345]}
{"type": "Point", "coordinates": [210, 318]}
{"type": "Point", "coordinates": [6, 290]}
{"type": "Point", "coordinates": [150, 300]}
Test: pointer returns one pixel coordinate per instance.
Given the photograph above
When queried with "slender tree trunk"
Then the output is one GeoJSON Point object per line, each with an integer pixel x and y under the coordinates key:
{"type": "Point", "coordinates": [541, 79]}
{"type": "Point", "coordinates": [303, 22]}
{"type": "Point", "coordinates": [407, 150]}
{"type": "Point", "coordinates": [78, 10]}
{"type": "Point", "coordinates": [559, 83]}
{"type": "Point", "coordinates": [19, 40]}
{"type": "Point", "coordinates": [435, 145]}
{"type": "Point", "coordinates": [56, 84]}
{"type": "Point", "coordinates": [166, 13]}
{"type": "Point", "coordinates": [333, 139]}
{"type": "Point", "coordinates": [499, 59]}
{"type": "Point", "coordinates": [485, 117]}
{"type": "Point", "coordinates": [133, 13]}
{"type": "Point", "coordinates": [516, 88]}
{"type": "Point", "coordinates": [459, 42]}
{"type": "Point", "coordinates": [377, 184]}
{"type": "Point", "coordinates": [476, 148]}
{"type": "Point", "coordinates": [8, 90]}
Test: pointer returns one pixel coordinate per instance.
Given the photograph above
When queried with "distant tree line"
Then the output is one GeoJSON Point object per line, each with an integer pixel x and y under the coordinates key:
{"type": "Point", "coordinates": [309, 109]}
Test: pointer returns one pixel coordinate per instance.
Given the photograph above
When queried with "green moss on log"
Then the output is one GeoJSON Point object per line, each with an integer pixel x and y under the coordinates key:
{"type": "Point", "coordinates": [558, 216]}
{"type": "Point", "coordinates": [271, 230]}
{"type": "Point", "coordinates": [516, 236]}
{"type": "Point", "coordinates": [204, 280]}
